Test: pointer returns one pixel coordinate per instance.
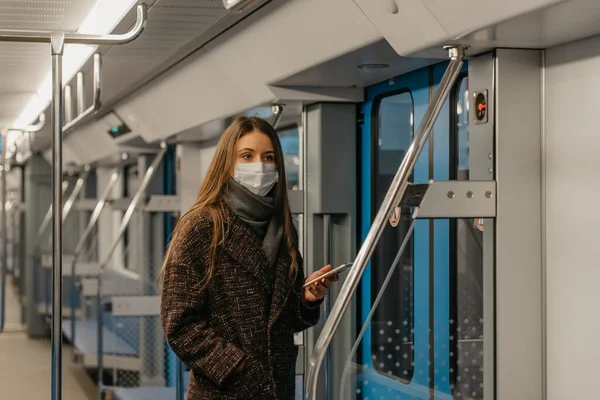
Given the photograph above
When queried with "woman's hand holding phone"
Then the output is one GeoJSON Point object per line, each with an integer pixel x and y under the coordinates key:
{"type": "Point", "coordinates": [319, 289]}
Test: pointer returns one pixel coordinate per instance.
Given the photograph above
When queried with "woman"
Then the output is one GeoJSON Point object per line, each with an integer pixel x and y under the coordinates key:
{"type": "Point", "coordinates": [232, 293]}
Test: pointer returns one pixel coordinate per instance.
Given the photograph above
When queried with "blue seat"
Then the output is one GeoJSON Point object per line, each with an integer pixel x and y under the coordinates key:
{"type": "Point", "coordinates": [86, 339]}
{"type": "Point", "coordinates": [144, 393]}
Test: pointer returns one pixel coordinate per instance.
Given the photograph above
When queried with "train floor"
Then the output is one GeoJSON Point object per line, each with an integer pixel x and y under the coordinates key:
{"type": "Point", "coordinates": [25, 364]}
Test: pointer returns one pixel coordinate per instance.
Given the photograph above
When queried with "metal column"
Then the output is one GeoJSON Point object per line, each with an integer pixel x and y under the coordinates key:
{"type": "Point", "coordinates": [4, 230]}
{"type": "Point", "coordinates": [148, 235]}
{"type": "Point", "coordinates": [58, 44]}
{"type": "Point", "coordinates": [330, 217]}
{"type": "Point", "coordinates": [327, 308]}
{"type": "Point", "coordinates": [508, 148]}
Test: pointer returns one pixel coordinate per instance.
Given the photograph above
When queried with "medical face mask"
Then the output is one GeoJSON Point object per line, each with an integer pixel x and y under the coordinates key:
{"type": "Point", "coordinates": [257, 177]}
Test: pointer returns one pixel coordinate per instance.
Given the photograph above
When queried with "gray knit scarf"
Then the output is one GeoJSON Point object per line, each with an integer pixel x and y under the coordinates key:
{"type": "Point", "coordinates": [257, 213]}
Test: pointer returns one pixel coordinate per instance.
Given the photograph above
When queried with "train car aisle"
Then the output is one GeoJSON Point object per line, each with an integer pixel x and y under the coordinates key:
{"type": "Point", "coordinates": [25, 363]}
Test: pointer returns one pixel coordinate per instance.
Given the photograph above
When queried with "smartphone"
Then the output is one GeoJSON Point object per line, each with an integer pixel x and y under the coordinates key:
{"type": "Point", "coordinates": [338, 270]}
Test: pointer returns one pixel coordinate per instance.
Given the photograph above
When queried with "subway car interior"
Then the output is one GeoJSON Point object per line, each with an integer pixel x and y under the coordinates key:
{"type": "Point", "coordinates": [429, 142]}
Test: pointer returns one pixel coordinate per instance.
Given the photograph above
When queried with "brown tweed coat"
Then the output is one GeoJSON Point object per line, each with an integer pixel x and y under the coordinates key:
{"type": "Point", "coordinates": [245, 313]}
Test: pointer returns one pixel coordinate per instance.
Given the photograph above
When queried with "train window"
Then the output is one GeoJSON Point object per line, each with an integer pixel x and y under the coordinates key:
{"type": "Point", "coordinates": [466, 305]}
{"type": "Point", "coordinates": [392, 344]}
{"type": "Point", "coordinates": [290, 143]}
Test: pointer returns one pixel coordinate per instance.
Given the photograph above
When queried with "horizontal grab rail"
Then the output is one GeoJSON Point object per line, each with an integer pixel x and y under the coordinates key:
{"type": "Point", "coordinates": [10, 35]}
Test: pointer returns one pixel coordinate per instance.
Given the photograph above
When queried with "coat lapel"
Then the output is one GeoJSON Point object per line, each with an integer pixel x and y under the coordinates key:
{"type": "Point", "coordinates": [244, 247]}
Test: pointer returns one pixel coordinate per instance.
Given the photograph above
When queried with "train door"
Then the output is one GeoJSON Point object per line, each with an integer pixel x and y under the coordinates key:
{"type": "Point", "coordinates": [411, 348]}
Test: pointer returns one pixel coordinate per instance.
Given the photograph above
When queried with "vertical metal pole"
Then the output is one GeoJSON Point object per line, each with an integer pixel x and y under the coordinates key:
{"type": "Point", "coordinates": [302, 179]}
{"type": "Point", "coordinates": [97, 80]}
{"type": "Point", "coordinates": [327, 308]}
{"type": "Point", "coordinates": [58, 44]}
{"type": "Point", "coordinates": [68, 104]}
{"type": "Point", "coordinates": [4, 234]}
{"type": "Point", "coordinates": [100, 348]}
{"type": "Point", "coordinates": [179, 390]}
{"type": "Point", "coordinates": [80, 94]}
{"type": "Point", "coordinates": [277, 114]}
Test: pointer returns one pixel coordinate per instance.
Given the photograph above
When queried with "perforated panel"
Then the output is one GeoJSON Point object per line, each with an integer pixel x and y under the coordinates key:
{"type": "Point", "coordinates": [175, 28]}
{"type": "Point", "coordinates": [24, 65]}
{"type": "Point", "coordinates": [171, 25]}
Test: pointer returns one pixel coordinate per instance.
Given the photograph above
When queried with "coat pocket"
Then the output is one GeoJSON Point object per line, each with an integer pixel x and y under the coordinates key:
{"type": "Point", "coordinates": [253, 381]}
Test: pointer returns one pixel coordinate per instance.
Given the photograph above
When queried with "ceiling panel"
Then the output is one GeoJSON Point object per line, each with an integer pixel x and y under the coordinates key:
{"type": "Point", "coordinates": [171, 25]}
{"type": "Point", "coordinates": [174, 30]}
{"type": "Point", "coordinates": [24, 65]}
{"type": "Point", "coordinates": [346, 71]}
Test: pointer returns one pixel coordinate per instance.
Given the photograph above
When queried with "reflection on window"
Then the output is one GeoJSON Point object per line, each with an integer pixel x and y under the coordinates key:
{"type": "Point", "coordinates": [290, 143]}
{"type": "Point", "coordinates": [392, 327]}
{"type": "Point", "coordinates": [466, 313]}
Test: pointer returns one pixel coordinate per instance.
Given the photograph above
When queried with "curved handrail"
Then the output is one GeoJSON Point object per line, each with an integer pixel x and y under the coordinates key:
{"type": "Point", "coordinates": [33, 128]}
{"type": "Point", "coordinates": [277, 115]}
{"type": "Point", "coordinates": [137, 198]}
{"type": "Point", "coordinates": [28, 129]}
{"type": "Point", "coordinates": [391, 200]}
{"type": "Point", "coordinates": [10, 35]}
{"type": "Point", "coordinates": [97, 94]}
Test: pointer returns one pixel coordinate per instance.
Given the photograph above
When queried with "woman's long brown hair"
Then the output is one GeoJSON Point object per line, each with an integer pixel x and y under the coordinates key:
{"type": "Point", "coordinates": [215, 182]}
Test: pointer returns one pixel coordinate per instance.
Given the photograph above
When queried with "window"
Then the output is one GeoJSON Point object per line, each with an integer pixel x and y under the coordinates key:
{"type": "Point", "coordinates": [392, 327]}
{"type": "Point", "coordinates": [290, 144]}
{"type": "Point", "coordinates": [466, 305]}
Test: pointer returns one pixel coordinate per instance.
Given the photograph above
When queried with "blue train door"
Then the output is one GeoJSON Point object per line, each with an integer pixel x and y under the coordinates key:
{"type": "Point", "coordinates": [409, 350]}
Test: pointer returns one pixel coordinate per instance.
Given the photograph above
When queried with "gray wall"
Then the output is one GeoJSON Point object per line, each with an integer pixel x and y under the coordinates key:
{"type": "Point", "coordinates": [572, 143]}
